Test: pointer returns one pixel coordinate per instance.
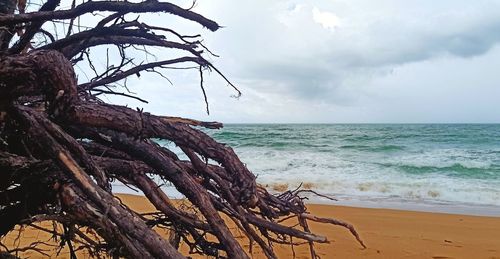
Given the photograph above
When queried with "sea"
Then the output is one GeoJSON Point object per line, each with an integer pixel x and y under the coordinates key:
{"type": "Point", "coordinates": [450, 168]}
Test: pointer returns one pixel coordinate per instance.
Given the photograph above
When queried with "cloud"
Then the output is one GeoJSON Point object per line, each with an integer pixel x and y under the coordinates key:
{"type": "Point", "coordinates": [326, 19]}
{"type": "Point", "coordinates": [296, 46]}
{"type": "Point", "coordinates": [297, 55]}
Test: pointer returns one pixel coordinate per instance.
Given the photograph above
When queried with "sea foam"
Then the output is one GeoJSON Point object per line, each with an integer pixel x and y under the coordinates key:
{"type": "Point", "coordinates": [398, 163]}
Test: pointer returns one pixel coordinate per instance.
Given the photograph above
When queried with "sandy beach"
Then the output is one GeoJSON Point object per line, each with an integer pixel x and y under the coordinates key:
{"type": "Point", "coordinates": [387, 234]}
{"type": "Point", "coordinates": [249, 129]}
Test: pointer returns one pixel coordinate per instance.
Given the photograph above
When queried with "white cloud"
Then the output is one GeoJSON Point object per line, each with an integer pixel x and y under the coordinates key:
{"type": "Point", "coordinates": [326, 19]}
{"type": "Point", "coordinates": [291, 69]}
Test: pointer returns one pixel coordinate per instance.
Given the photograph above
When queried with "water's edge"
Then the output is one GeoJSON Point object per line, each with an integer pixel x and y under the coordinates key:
{"type": "Point", "coordinates": [447, 168]}
{"type": "Point", "coordinates": [447, 208]}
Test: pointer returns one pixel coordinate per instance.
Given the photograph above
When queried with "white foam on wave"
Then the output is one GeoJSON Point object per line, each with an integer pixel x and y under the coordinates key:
{"type": "Point", "coordinates": [329, 174]}
{"type": "Point", "coordinates": [420, 173]}
{"type": "Point", "coordinates": [445, 157]}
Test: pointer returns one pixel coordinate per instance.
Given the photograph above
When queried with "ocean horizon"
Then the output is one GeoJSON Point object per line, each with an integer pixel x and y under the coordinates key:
{"type": "Point", "coordinates": [440, 167]}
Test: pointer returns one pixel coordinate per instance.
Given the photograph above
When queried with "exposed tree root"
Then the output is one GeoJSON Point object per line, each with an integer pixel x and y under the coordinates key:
{"type": "Point", "coordinates": [61, 146]}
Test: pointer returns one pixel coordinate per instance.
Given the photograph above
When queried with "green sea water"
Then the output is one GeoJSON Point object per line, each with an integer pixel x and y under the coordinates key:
{"type": "Point", "coordinates": [422, 163]}
{"type": "Point", "coordinates": [451, 168]}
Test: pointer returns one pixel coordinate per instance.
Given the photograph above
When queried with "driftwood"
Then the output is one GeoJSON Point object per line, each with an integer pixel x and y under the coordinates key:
{"type": "Point", "coordinates": [61, 146]}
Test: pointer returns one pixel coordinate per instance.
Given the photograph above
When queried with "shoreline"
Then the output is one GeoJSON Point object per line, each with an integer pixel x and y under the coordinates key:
{"type": "Point", "coordinates": [387, 233]}
{"type": "Point", "coordinates": [442, 207]}
{"type": "Point", "coordinates": [391, 233]}
{"type": "Point", "coordinates": [414, 206]}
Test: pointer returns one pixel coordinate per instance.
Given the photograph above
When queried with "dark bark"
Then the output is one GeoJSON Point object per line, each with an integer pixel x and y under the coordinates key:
{"type": "Point", "coordinates": [61, 146]}
{"type": "Point", "coordinates": [6, 7]}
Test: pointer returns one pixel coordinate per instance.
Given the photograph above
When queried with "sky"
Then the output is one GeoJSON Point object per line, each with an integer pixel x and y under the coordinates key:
{"type": "Point", "coordinates": [337, 61]}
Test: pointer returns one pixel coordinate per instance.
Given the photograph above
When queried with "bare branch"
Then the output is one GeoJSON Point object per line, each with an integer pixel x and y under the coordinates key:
{"type": "Point", "coordinates": [107, 6]}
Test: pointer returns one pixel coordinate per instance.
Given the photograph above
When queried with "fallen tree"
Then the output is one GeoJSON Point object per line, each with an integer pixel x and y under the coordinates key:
{"type": "Point", "coordinates": [61, 146]}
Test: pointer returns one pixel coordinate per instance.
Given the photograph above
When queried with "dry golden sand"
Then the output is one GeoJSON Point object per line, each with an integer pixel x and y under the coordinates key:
{"type": "Point", "coordinates": [387, 233]}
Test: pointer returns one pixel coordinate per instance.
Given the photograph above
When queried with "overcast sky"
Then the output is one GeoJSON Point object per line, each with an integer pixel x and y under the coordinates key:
{"type": "Point", "coordinates": [340, 62]}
